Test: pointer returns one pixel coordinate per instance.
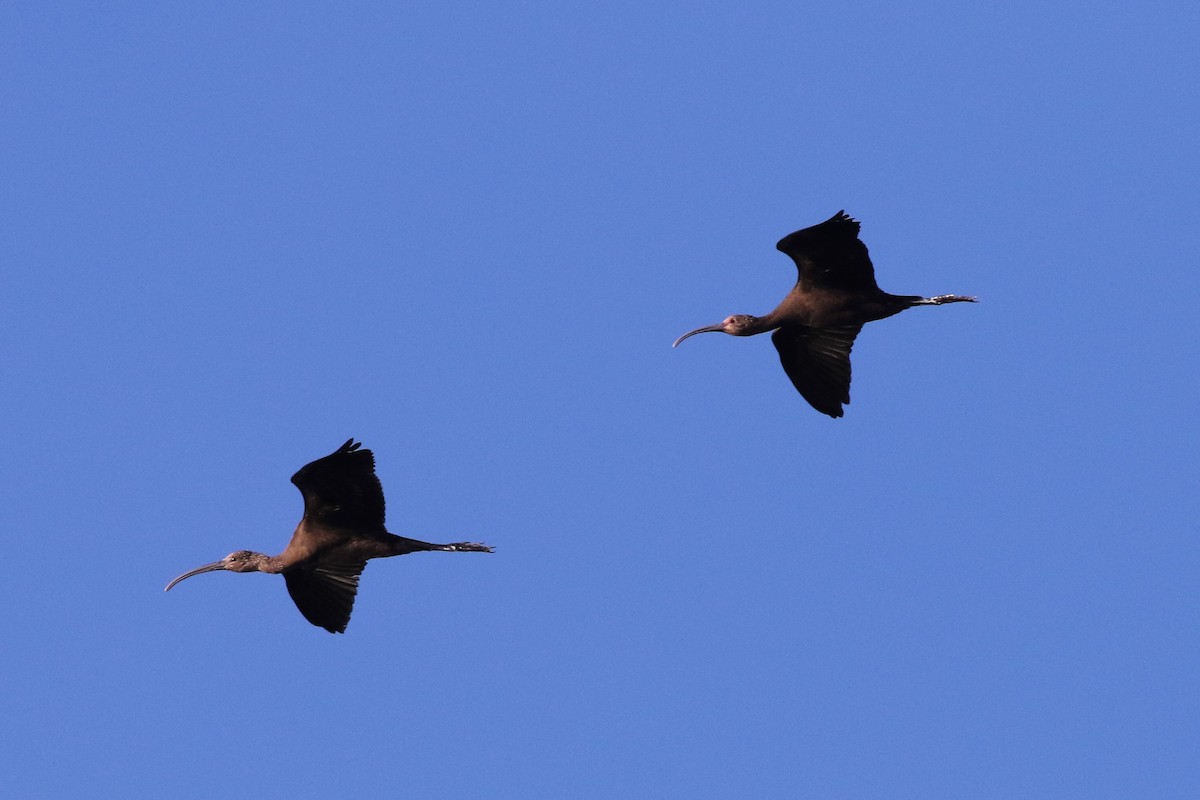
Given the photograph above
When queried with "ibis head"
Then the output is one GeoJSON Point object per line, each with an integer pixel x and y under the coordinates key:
{"type": "Point", "coordinates": [736, 325]}
{"type": "Point", "coordinates": [239, 561]}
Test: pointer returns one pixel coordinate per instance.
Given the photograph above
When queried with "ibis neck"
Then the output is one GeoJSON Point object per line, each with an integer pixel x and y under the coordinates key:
{"type": "Point", "coordinates": [270, 564]}
{"type": "Point", "coordinates": [767, 322]}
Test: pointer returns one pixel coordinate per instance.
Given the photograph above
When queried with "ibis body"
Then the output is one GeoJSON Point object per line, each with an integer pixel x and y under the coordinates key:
{"type": "Point", "coordinates": [342, 528]}
{"type": "Point", "coordinates": [816, 324]}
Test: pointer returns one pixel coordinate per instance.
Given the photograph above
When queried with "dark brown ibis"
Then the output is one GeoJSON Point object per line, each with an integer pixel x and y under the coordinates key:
{"type": "Point", "coordinates": [834, 296]}
{"type": "Point", "coordinates": [342, 527]}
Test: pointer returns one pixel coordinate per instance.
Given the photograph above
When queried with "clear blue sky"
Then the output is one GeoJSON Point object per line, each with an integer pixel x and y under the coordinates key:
{"type": "Point", "coordinates": [236, 234]}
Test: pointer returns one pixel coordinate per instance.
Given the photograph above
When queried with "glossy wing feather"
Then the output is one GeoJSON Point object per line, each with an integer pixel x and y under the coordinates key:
{"type": "Point", "coordinates": [830, 255]}
{"type": "Point", "coordinates": [325, 592]}
{"type": "Point", "coordinates": [342, 490]}
{"type": "Point", "coordinates": [818, 362]}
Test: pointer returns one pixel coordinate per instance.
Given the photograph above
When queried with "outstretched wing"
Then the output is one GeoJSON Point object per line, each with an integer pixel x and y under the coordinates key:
{"type": "Point", "coordinates": [325, 592]}
{"type": "Point", "coordinates": [341, 489]}
{"type": "Point", "coordinates": [830, 255]}
{"type": "Point", "coordinates": [818, 362]}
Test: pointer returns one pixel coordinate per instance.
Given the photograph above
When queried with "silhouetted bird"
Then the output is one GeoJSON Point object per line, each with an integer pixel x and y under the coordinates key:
{"type": "Point", "coordinates": [816, 323]}
{"type": "Point", "coordinates": [342, 528]}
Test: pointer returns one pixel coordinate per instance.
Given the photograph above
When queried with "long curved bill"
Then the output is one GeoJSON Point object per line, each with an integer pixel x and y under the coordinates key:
{"type": "Point", "coordinates": [705, 329]}
{"type": "Point", "coordinates": [198, 570]}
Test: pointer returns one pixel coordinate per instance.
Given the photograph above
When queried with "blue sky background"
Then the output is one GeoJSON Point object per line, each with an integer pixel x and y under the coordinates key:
{"type": "Point", "coordinates": [234, 235]}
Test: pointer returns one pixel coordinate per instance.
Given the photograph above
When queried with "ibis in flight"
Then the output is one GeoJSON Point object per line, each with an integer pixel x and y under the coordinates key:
{"type": "Point", "coordinates": [342, 527]}
{"type": "Point", "coordinates": [834, 296]}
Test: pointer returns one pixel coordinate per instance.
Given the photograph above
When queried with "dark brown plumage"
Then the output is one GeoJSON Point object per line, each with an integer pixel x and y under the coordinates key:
{"type": "Point", "coordinates": [834, 296]}
{"type": "Point", "coordinates": [342, 527]}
